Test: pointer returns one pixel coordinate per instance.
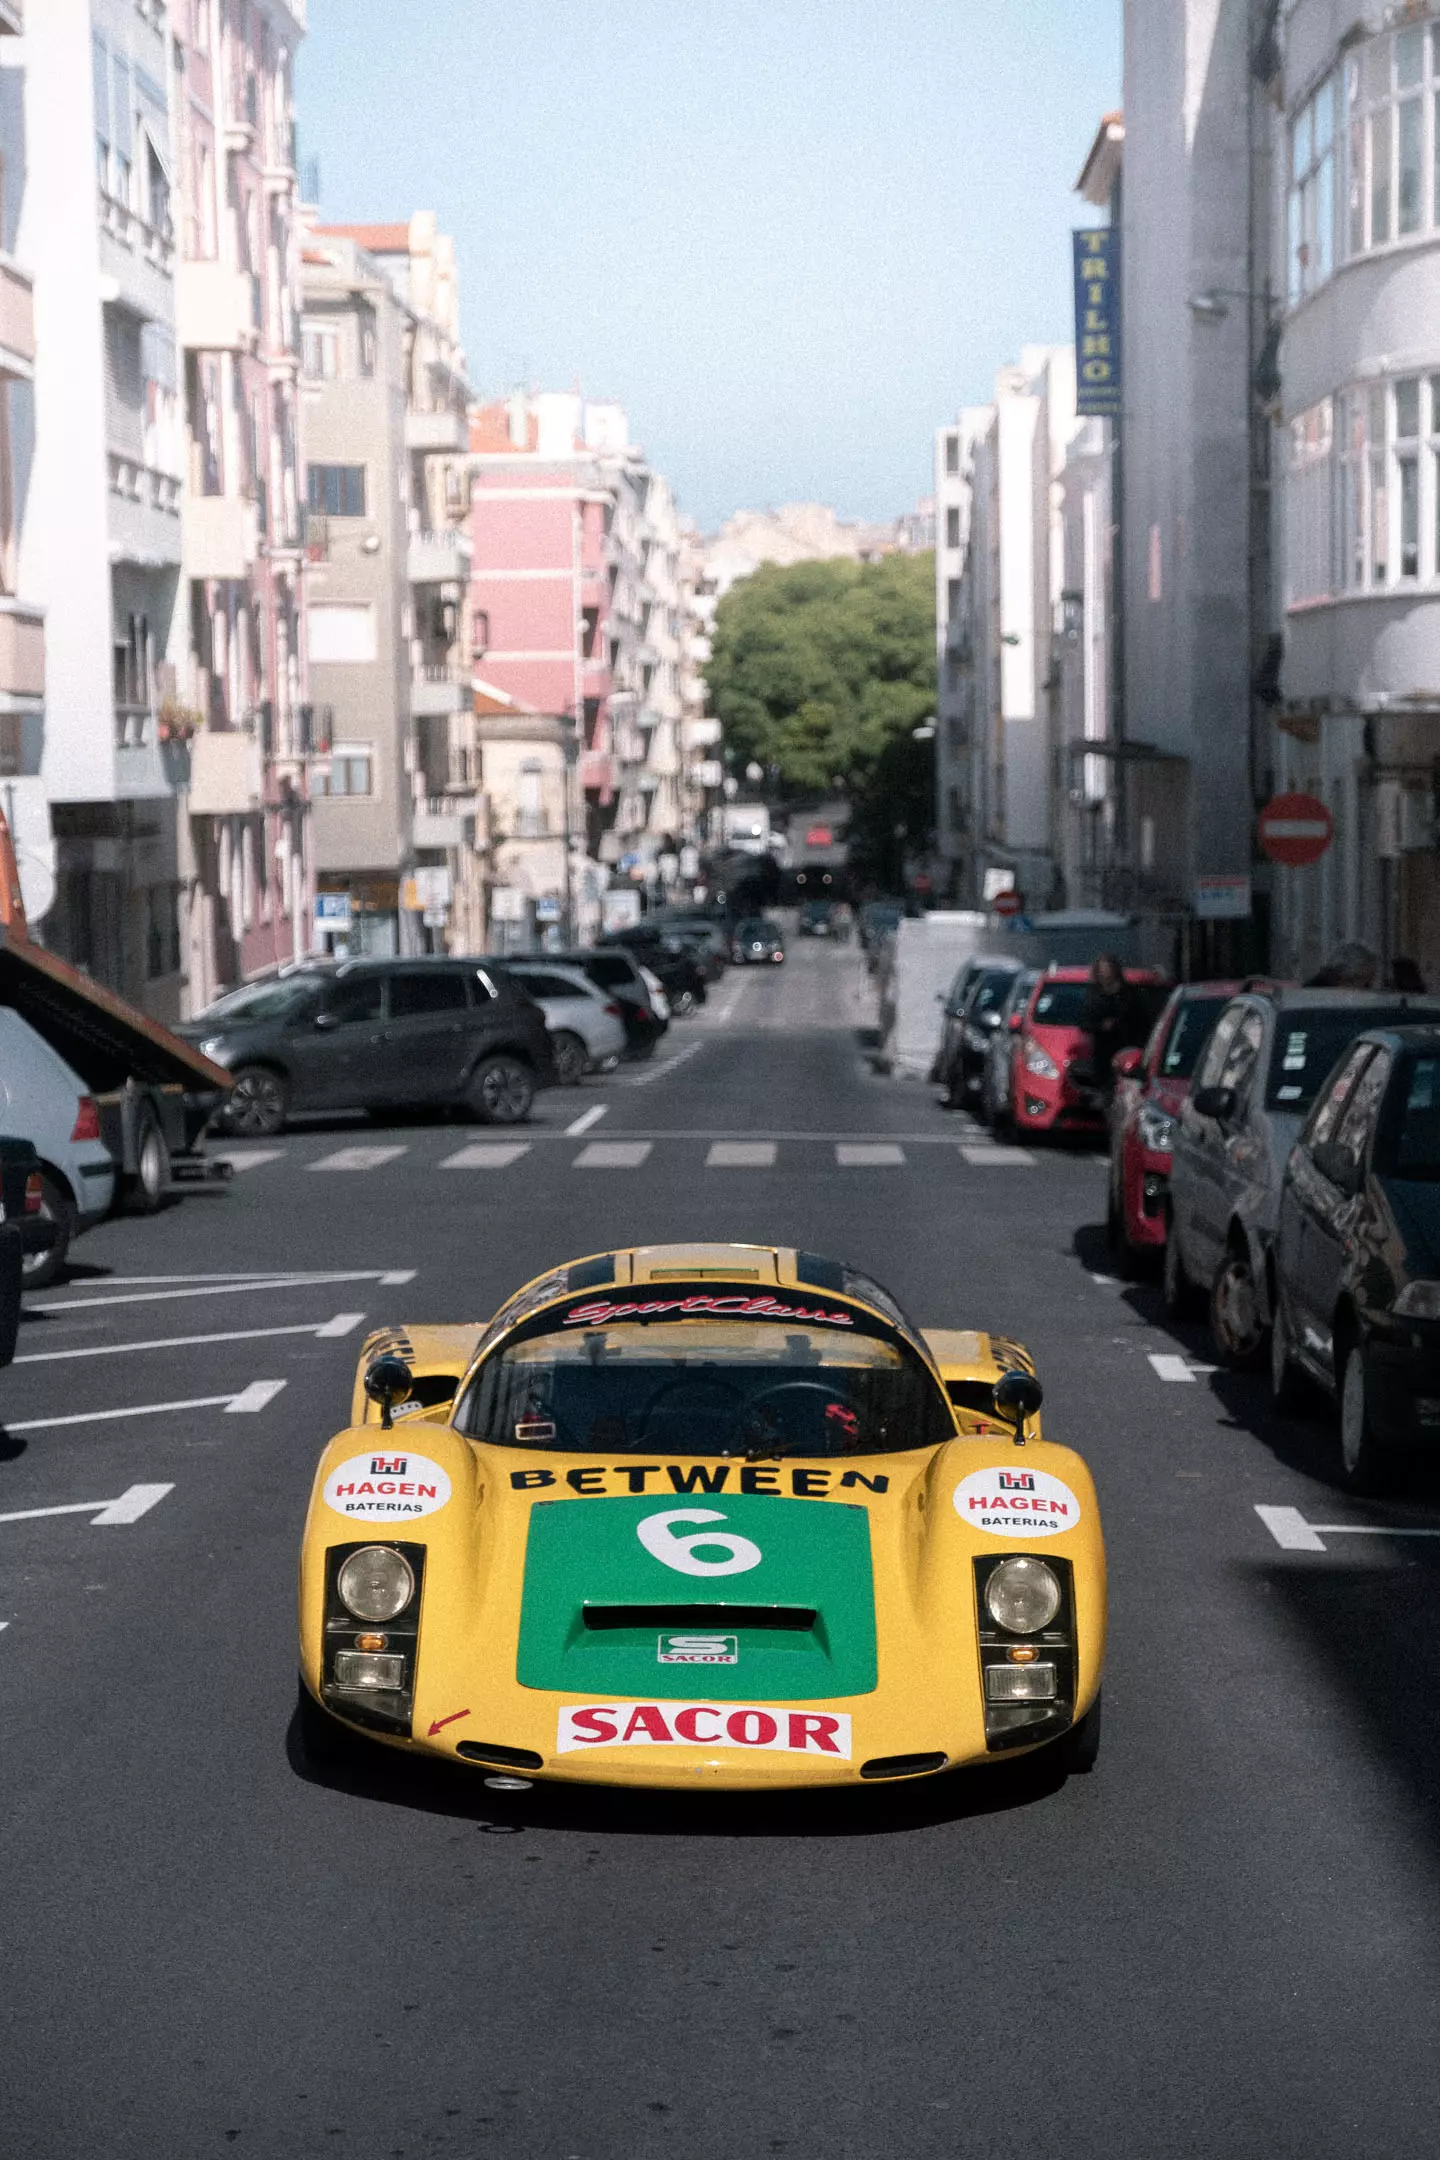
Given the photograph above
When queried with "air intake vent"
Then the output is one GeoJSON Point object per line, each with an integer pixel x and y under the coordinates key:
{"type": "Point", "coordinates": [507, 1758]}
{"type": "Point", "coordinates": [883, 1766]}
{"type": "Point", "coordinates": [789, 1619]}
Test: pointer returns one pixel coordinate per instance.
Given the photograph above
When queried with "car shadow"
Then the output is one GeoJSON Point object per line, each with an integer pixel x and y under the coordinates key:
{"type": "Point", "coordinates": [460, 1792]}
{"type": "Point", "coordinates": [12, 1447]}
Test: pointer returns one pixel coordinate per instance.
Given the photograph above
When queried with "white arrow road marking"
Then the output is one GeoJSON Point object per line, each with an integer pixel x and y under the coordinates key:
{"type": "Point", "coordinates": [135, 1501]}
{"type": "Point", "coordinates": [1167, 1366]}
{"type": "Point", "coordinates": [343, 1324]}
{"type": "Point", "coordinates": [227, 1289]}
{"type": "Point", "coordinates": [1289, 1529]}
{"type": "Point", "coordinates": [586, 1119]}
{"type": "Point", "coordinates": [250, 1398]}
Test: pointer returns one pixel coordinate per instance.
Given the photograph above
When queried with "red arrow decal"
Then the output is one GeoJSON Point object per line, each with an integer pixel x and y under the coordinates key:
{"type": "Point", "coordinates": [441, 1722]}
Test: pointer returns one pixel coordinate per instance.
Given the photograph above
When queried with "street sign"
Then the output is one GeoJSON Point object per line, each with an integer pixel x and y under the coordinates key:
{"type": "Point", "coordinates": [1295, 829]}
{"type": "Point", "coordinates": [1009, 902]}
{"type": "Point", "coordinates": [1222, 899]}
{"type": "Point", "coordinates": [332, 910]}
{"type": "Point", "coordinates": [547, 909]}
{"type": "Point", "coordinates": [507, 904]}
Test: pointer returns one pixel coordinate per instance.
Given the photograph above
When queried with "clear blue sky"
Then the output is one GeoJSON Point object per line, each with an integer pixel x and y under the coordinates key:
{"type": "Point", "coordinates": [791, 235]}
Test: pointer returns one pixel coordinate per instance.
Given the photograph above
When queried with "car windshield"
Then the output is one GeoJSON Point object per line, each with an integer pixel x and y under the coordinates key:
{"type": "Point", "coordinates": [993, 989]}
{"type": "Point", "coordinates": [1307, 1045]}
{"type": "Point", "coordinates": [755, 928]}
{"type": "Point", "coordinates": [1193, 1023]}
{"type": "Point", "coordinates": [1409, 1142]}
{"type": "Point", "coordinates": [1060, 1004]}
{"type": "Point", "coordinates": [706, 1388]}
{"type": "Point", "coordinates": [284, 998]}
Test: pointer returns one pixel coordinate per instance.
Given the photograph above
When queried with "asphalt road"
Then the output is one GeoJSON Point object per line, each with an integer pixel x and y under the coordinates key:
{"type": "Point", "coordinates": [1223, 1942]}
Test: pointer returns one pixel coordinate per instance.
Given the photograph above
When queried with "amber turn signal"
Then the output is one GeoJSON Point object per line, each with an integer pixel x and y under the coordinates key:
{"type": "Point", "coordinates": [378, 1642]}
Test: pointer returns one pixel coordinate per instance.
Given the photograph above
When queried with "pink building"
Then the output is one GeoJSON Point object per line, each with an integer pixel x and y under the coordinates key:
{"type": "Point", "coordinates": [241, 695]}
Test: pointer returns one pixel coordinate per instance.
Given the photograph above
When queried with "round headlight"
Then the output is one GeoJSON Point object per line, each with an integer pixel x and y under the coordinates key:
{"type": "Point", "coordinates": [1022, 1595]}
{"type": "Point", "coordinates": [376, 1584]}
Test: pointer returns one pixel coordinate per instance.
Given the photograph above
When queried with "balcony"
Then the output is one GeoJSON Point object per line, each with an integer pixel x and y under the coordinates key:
{"type": "Point", "coordinates": [439, 822]}
{"type": "Point", "coordinates": [136, 264]}
{"type": "Point", "coordinates": [22, 651]}
{"type": "Point", "coordinates": [17, 320]}
{"type": "Point", "coordinates": [438, 690]}
{"type": "Point", "coordinates": [438, 558]}
{"type": "Point", "coordinates": [227, 775]}
{"type": "Point", "coordinates": [144, 514]}
{"type": "Point", "coordinates": [444, 431]}
{"type": "Point", "coordinates": [222, 536]}
{"type": "Point", "coordinates": [144, 767]}
{"type": "Point", "coordinates": [217, 309]}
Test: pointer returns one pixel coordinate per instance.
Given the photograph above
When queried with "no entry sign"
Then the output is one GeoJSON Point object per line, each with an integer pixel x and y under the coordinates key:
{"type": "Point", "coordinates": [1295, 829]}
{"type": "Point", "coordinates": [1008, 903]}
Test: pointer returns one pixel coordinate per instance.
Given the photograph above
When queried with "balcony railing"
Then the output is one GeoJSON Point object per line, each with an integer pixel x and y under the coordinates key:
{"type": "Point", "coordinates": [134, 727]}
{"type": "Point", "coordinates": [142, 484]}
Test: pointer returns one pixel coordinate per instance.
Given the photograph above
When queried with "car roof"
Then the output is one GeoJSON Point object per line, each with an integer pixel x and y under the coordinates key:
{"type": "Point", "coordinates": [1417, 1035]}
{"type": "Point", "coordinates": [1293, 997]}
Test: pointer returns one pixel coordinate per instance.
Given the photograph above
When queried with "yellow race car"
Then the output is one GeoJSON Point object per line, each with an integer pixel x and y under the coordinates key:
{"type": "Point", "coordinates": [700, 1516]}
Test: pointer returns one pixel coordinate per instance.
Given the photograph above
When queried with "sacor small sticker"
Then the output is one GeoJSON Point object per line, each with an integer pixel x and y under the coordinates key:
{"type": "Point", "coordinates": [386, 1487]}
{"type": "Point", "coordinates": [1016, 1503]}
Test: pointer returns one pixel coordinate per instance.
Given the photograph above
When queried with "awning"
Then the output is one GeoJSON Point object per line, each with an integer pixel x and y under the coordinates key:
{"type": "Point", "coordinates": [105, 1040]}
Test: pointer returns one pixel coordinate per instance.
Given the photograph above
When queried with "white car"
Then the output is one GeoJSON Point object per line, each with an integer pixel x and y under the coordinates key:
{"type": "Point", "coordinates": [43, 1101]}
{"type": "Point", "coordinates": [587, 1030]}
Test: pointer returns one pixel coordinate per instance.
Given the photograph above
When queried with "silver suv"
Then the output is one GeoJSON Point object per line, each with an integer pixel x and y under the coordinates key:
{"type": "Point", "coordinates": [1268, 1055]}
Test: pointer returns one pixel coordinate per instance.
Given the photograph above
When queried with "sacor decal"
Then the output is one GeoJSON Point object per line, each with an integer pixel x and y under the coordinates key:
{"type": "Point", "coordinates": [733, 1726]}
{"type": "Point", "coordinates": [1016, 1503]}
{"type": "Point", "coordinates": [384, 1488]}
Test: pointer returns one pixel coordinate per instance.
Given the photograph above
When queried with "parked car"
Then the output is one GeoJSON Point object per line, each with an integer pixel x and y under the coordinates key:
{"type": "Point", "coordinates": [587, 1027]}
{"type": "Point", "coordinates": [1055, 1086]}
{"type": "Point", "coordinates": [998, 1072]}
{"type": "Point", "coordinates": [25, 1230]}
{"type": "Point", "coordinates": [378, 1035]}
{"type": "Point", "coordinates": [619, 974]}
{"type": "Point", "coordinates": [706, 940]}
{"type": "Point", "coordinates": [757, 941]}
{"type": "Point", "coordinates": [971, 1015]}
{"type": "Point", "coordinates": [1355, 1282]}
{"type": "Point", "coordinates": [1150, 1086]}
{"type": "Point", "coordinates": [1268, 1055]}
{"type": "Point", "coordinates": [815, 918]}
{"type": "Point", "coordinates": [43, 1101]}
{"type": "Point", "coordinates": [668, 957]}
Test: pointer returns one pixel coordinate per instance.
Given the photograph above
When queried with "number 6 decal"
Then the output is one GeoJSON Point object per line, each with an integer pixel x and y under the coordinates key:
{"type": "Point", "coordinates": [683, 1553]}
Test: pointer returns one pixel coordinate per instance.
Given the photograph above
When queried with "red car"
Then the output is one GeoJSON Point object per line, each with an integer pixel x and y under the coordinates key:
{"type": "Point", "coordinates": [1150, 1086]}
{"type": "Point", "coordinates": [1055, 1087]}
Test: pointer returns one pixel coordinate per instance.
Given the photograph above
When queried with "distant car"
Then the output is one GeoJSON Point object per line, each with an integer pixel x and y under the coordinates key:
{"type": "Point", "coordinates": [815, 918]}
{"type": "Point", "coordinates": [1150, 1085]}
{"type": "Point", "coordinates": [1268, 1056]}
{"type": "Point", "coordinates": [972, 1013]}
{"type": "Point", "coordinates": [757, 942]}
{"type": "Point", "coordinates": [620, 975]}
{"type": "Point", "coordinates": [24, 1230]}
{"type": "Point", "coordinates": [668, 957]}
{"type": "Point", "coordinates": [997, 1073]}
{"type": "Point", "coordinates": [879, 920]}
{"type": "Point", "coordinates": [1055, 1086]}
{"type": "Point", "coordinates": [587, 1027]}
{"type": "Point", "coordinates": [706, 941]}
{"type": "Point", "coordinates": [1355, 1290]}
{"type": "Point", "coordinates": [42, 1100]}
{"type": "Point", "coordinates": [378, 1035]}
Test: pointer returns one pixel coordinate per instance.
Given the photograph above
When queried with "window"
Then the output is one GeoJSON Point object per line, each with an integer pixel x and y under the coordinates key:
{"type": "Point", "coordinates": [1187, 1037]}
{"type": "Point", "coordinates": [336, 490]}
{"type": "Point", "coordinates": [1407, 475]}
{"type": "Point", "coordinates": [1390, 141]}
{"type": "Point", "coordinates": [367, 340]}
{"type": "Point", "coordinates": [320, 357]}
{"type": "Point", "coordinates": [341, 632]}
{"type": "Point", "coordinates": [357, 999]}
{"type": "Point", "coordinates": [351, 769]}
{"type": "Point", "coordinates": [162, 931]}
{"type": "Point", "coordinates": [414, 993]}
{"type": "Point", "coordinates": [952, 453]}
{"type": "Point", "coordinates": [1410, 1148]}
{"type": "Point", "coordinates": [1311, 205]}
{"type": "Point", "coordinates": [1361, 1112]}
{"type": "Point", "coordinates": [1243, 1054]}
{"type": "Point", "coordinates": [952, 526]}
{"type": "Point", "coordinates": [1327, 1110]}
{"type": "Point", "coordinates": [1219, 1046]}
{"type": "Point", "coordinates": [1308, 505]}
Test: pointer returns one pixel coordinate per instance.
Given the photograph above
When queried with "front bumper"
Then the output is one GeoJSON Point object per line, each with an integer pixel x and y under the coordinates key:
{"type": "Point", "coordinates": [1404, 1387]}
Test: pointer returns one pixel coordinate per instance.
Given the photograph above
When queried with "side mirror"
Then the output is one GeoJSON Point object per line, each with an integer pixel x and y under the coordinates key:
{"type": "Point", "coordinates": [1018, 1395]}
{"type": "Point", "coordinates": [1337, 1164]}
{"type": "Point", "coordinates": [1215, 1102]}
{"type": "Point", "coordinates": [388, 1380]}
{"type": "Point", "coordinates": [1127, 1064]}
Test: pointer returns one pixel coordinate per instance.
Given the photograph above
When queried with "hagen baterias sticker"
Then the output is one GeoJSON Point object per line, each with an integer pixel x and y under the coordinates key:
{"type": "Point", "coordinates": [1016, 1503]}
{"type": "Point", "coordinates": [385, 1488]}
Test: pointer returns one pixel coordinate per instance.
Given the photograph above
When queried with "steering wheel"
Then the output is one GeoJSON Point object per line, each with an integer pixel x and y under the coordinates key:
{"type": "Point", "coordinates": [730, 1398]}
{"type": "Point", "coordinates": [760, 1407]}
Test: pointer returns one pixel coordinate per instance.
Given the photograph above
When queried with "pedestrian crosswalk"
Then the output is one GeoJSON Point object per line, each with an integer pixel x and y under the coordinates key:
{"type": "Point", "coordinates": [795, 1152]}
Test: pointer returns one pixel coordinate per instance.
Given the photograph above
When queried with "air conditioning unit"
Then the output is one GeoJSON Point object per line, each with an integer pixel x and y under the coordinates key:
{"type": "Point", "coordinates": [1405, 821]}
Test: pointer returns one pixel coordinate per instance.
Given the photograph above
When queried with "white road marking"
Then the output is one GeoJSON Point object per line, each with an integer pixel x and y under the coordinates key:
{"type": "Point", "coordinates": [135, 1501]}
{"type": "Point", "coordinates": [255, 1397]}
{"type": "Point", "coordinates": [1107, 1282]}
{"type": "Point", "coordinates": [343, 1323]}
{"type": "Point", "coordinates": [223, 1289]}
{"type": "Point", "coordinates": [586, 1119]}
{"type": "Point", "coordinates": [231, 1401]}
{"type": "Point", "coordinates": [612, 1155]}
{"type": "Point", "coordinates": [253, 1159]}
{"type": "Point", "coordinates": [487, 1155]}
{"type": "Point", "coordinates": [879, 1157]}
{"type": "Point", "coordinates": [741, 1155]}
{"type": "Point", "coordinates": [1289, 1529]}
{"type": "Point", "coordinates": [665, 1065]}
{"type": "Point", "coordinates": [356, 1158]}
{"type": "Point", "coordinates": [1004, 1158]}
{"type": "Point", "coordinates": [1168, 1366]}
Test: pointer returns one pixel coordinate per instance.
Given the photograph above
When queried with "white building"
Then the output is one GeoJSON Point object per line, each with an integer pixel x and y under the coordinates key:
{"type": "Point", "coordinates": [1357, 258]}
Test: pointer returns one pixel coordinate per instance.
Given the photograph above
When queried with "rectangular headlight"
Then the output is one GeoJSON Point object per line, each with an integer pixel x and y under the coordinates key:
{"type": "Point", "coordinates": [364, 1669]}
{"type": "Point", "coordinates": [1017, 1683]}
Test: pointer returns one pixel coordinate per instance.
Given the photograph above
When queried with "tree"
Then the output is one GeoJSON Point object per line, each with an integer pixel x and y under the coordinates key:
{"type": "Point", "coordinates": [823, 670]}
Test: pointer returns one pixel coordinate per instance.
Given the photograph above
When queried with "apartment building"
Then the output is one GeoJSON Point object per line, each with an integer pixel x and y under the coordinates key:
{"type": "Point", "coordinates": [22, 623]}
{"type": "Point", "coordinates": [100, 534]}
{"type": "Point", "coordinates": [1357, 272]}
{"type": "Point", "coordinates": [241, 700]}
{"type": "Point", "coordinates": [399, 826]}
{"type": "Point", "coordinates": [580, 597]}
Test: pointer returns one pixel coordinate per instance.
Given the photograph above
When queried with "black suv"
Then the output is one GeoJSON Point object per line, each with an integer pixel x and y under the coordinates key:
{"type": "Point", "coordinates": [23, 1229]}
{"type": "Point", "coordinates": [377, 1035]}
{"type": "Point", "coordinates": [617, 972]}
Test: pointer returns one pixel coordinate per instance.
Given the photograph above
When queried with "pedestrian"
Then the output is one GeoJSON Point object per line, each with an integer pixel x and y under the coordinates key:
{"type": "Point", "coordinates": [1110, 1017]}
{"type": "Point", "coordinates": [1406, 977]}
{"type": "Point", "coordinates": [1352, 966]}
